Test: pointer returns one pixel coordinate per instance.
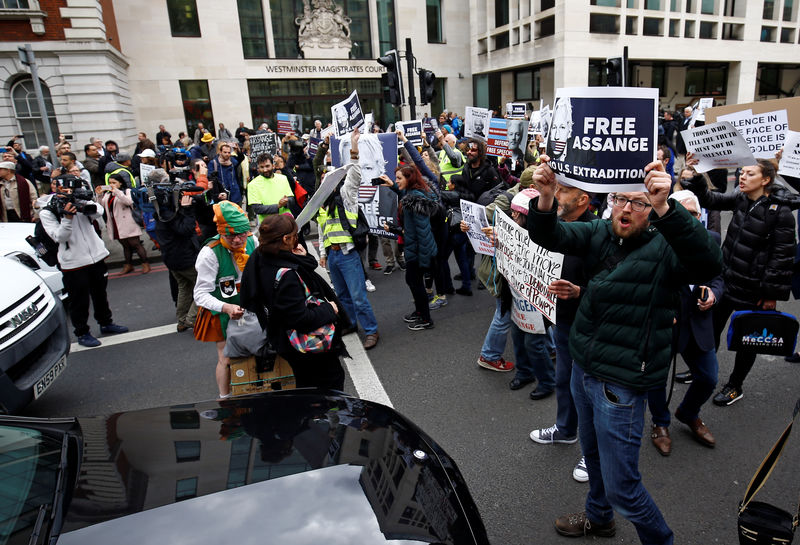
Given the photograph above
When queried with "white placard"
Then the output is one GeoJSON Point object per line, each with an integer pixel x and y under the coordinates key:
{"type": "Point", "coordinates": [476, 122]}
{"type": "Point", "coordinates": [475, 216]}
{"type": "Point", "coordinates": [790, 160]}
{"type": "Point", "coordinates": [525, 316]}
{"type": "Point", "coordinates": [717, 145]}
{"type": "Point", "coordinates": [144, 173]}
{"type": "Point", "coordinates": [764, 132]}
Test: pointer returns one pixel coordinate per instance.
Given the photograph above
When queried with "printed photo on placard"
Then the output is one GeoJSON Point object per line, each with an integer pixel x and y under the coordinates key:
{"type": "Point", "coordinates": [476, 122]}
{"type": "Point", "coordinates": [290, 123]}
{"type": "Point", "coordinates": [347, 115]}
{"type": "Point", "coordinates": [412, 131]}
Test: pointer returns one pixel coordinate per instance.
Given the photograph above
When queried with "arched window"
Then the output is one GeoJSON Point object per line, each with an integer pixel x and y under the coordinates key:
{"type": "Point", "coordinates": [26, 110]}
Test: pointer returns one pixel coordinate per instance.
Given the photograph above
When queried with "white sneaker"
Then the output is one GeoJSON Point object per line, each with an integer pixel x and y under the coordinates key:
{"type": "Point", "coordinates": [370, 286]}
{"type": "Point", "coordinates": [579, 473]}
{"type": "Point", "coordinates": [551, 435]}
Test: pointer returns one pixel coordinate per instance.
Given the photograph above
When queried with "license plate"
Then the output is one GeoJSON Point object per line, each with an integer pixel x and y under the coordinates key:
{"type": "Point", "coordinates": [44, 383]}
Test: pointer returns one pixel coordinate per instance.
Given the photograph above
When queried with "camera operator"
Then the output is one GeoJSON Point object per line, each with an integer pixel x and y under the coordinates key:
{"type": "Point", "coordinates": [67, 219]}
{"type": "Point", "coordinates": [175, 229]}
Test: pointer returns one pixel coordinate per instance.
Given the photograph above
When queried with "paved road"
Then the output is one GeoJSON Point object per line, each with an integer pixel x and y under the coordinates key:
{"type": "Point", "coordinates": [432, 377]}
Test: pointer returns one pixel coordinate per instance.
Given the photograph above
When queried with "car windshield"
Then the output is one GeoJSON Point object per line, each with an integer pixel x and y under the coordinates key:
{"type": "Point", "coordinates": [29, 465]}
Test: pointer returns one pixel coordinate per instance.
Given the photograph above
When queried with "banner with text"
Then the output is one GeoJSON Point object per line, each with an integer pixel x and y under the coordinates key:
{"type": "Point", "coordinates": [527, 267]}
{"type": "Point", "coordinates": [601, 138]}
{"type": "Point", "coordinates": [263, 143]}
{"type": "Point", "coordinates": [763, 124]}
{"type": "Point", "coordinates": [347, 115]}
{"type": "Point", "coordinates": [497, 142]}
{"type": "Point", "coordinates": [790, 159]}
{"type": "Point", "coordinates": [516, 110]}
{"type": "Point", "coordinates": [290, 123]}
{"type": "Point", "coordinates": [717, 145]}
{"type": "Point", "coordinates": [412, 131]}
{"type": "Point", "coordinates": [475, 216]}
{"type": "Point", "coordinates": [476, 122]}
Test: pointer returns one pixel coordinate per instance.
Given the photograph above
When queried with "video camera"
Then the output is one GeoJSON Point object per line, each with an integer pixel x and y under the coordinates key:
{"type": "Point", "coordinates": [80, 196]}
{"type": "Point", "coordinates": [166, 196]}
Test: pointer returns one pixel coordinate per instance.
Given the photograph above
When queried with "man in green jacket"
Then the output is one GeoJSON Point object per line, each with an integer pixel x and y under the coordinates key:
{"type": "Point", "coordinates": [621, 338]}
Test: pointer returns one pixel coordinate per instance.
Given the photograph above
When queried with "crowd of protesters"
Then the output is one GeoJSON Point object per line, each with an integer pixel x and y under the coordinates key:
{"type": "Point", "coordinates": [220, 222]}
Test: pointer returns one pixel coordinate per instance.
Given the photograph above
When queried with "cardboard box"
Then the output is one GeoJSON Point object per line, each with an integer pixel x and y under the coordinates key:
{"type": "Point", "coordinates": [245, 378]}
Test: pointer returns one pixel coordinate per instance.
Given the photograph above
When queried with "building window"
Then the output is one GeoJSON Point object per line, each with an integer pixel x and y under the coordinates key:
{"type": "Point", "coordinates": [501, 41]}
{"type": "Point", "coordinates": [603, 23]}
{"type": "Point", "coordinates": [546, 4]}
{"type": "Point", "coordinates": [439, 102]}
{"type": "Point", "coordinates": [187, 451]}
{"type": "Point", "coordinates": [708, 31]}
{"type": "Point", "coordinates": [787, 10]}
{"type": "Point", "coordinates": [652, 27]}
{"type": "Point", "coordinates": [387, 27]}
{"type": "Point", "coordinates": [704, 80]}
{"type": "Point", "coordinates": [707, 7]}
{"type": "Point", "coordinates": [768, 80]}
{"type": "Point", "coordinates": [183, 21]}
{"type": "Point", "coordinates": [251, 26]}
{"type": "Point", "coordinates": [787, 35]}
{"type": "Point", "coordinates": [501, 13]}
{"type": "Point", "coordinates": [434, 12]}
{"type": "Point", "coordinates": [652, 4]}
{"type": "Point", "coordinates": [674, 5]}
{"type": "Point", "coordinates": [196, 104]}
{"type": "Point", "coordinates": [358, 11]}
{"type": "Point", "coordinates": [674, 28]}
{"type": "Point", "coordinates": [26, 110]}
{"type": "Point", "coordinates": [688, 30]}
{"type": "Point", "coordinates": [769, 9]}
{"type": "Point", "coordinates": [630, 26]}
{"type": "Point", "coordinates": [606, 3]}
{"type": "Point", "coordinates": [14, 4]}
{"type": "Point", "coordinates": [547, 27]}
{"type": "Point", "coordinates": [184, 420]}
{"type": "Point", "coordinates": [597, 73]}
{"type": "Point", "coordinates": [731, 10]}
{"type": "Point", "coordinates": [658, 78]}
{"type": "Point", "coordinates": [767, 33]}
{"type": "Point", "coordinates": [732, 31]}
{"type": "Point", "coordinates": [284, 29]}
{"type": "Point", "coordinates": [689, 6]}
{"type": "Point", "coordinates": [527, 84]}
{"type": "Point", "coordinates": [186, 489]}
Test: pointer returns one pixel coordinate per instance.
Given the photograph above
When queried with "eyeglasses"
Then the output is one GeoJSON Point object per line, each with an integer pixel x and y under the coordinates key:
{"type": "Point", "coordinates": [636, 206]}
{"type": "Point", "coordinates": [236, 236]}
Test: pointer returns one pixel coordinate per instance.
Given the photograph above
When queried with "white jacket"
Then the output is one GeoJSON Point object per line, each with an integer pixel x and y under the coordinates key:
{"type": "Point", "coordinates": [78, 243]}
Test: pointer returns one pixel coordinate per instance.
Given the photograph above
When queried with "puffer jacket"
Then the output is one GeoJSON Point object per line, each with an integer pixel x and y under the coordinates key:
{"type": "Point", "coordinates": [622, 331]}
{"type": "Point", "coordinates": [418, 208]}
{"type": "Point", "coordinates": [758, 252]}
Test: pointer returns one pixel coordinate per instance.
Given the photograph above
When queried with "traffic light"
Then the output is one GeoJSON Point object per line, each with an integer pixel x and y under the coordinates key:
{"type": "Point", "coordinates": [615, 72]}
{"type": "Point", "coordinates": [392, 81]}
{"type": "Point", "coordinates": [427, 86]}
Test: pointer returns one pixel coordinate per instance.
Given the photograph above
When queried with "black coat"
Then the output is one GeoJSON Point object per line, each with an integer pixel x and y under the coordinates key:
{"type": "Point", "coordinates": [759, 249]}
{"type": "Point", "coordinates": [696, 322]}
{"type": "Point", "coordinates": [178, 240]}
{"type": "Point", "coordinates": [472, 182]}
{"type": "Point", "coordinates": [283, 307]}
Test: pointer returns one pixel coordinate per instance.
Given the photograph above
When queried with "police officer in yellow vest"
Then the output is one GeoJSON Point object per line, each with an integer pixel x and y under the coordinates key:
{"type": "Point", "coordinates": [451, 160]}
{"type": "Point", "coordinates": [121, 166]}
{"type": "Point", "coordinates": [338, 252]}
{"type": "Point", "coordinates": [269, 192]}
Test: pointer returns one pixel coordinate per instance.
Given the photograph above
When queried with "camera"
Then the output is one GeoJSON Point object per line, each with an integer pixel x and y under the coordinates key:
{"type": "Point", "coordinates": [81, 198]}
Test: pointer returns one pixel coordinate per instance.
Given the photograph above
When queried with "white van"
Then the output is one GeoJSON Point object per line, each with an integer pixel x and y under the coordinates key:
{"type": "Point", "coordinates": [34, 336]}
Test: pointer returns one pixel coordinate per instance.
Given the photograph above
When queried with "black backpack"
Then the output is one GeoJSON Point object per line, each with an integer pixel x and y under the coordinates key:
{"type": "Point", "coordinates": [46, 248]}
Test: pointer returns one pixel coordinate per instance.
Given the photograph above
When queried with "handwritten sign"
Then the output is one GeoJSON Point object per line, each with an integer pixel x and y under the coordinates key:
{"type": "Point", "coordinates": [475, 216]}
{"type": "Point", "coordinates": [718, 145]}
{"type": "Point", "coordinates": [527, 267]}
{"type": "Point", "coordinates": [263, 143]}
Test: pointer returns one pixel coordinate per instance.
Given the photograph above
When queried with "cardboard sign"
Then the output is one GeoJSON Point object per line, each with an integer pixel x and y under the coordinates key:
{"type": "Point", "coordinates": [763, 124]}
{"type": "Point", "coordinates": [717, 145]}
{"type": "Point", "coordinates": [527, 267]}
{"type": "Point", "coordinates": [412, 131]}
{"type": "Point", "coordinates": [497, 141]}
{"type": "Point", "coordinates": [601, 138]}
{"type": "Point", "coordinates": [790, 159]}
{"type": "Point", "coordinates": [263, 143]}
{"type": "Point", "coordinates": [347, 115]}
{"type": "Point", "coordinates": [475, 216]}
{"type": "Point", "coordinates": [290, 123]}
{"type": "Point", "coordinates": [476, 122]}
{"type": "Point", "coordinates": [516, 110]}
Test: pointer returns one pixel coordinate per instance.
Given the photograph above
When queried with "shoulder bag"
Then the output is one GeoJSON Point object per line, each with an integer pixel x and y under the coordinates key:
{"type": "Point", "coordinates": [319, 340]}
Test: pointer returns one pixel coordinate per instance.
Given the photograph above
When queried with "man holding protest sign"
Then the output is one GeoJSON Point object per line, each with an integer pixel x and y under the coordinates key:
{"type": "Point", "coordinates": [622, 335]}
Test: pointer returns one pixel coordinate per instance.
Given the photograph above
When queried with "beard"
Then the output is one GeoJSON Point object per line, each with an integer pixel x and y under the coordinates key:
{"type": "Point", "coordinates": [628, 231]}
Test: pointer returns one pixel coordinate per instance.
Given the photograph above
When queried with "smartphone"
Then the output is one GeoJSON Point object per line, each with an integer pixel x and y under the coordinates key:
{"type": "Point", "coordinates": [68, 137]}
{"type": "Point", "coordinates": [106, 188]}
{"type": "Point", "coordinates": [377, 181]}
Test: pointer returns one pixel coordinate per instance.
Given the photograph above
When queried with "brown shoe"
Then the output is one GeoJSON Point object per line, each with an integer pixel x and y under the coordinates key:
{"type": "Point", "coordinates": [577, 525]}
{"type": "Point", "coordinates": [661, 440]}
{"type": "Point", "coordinates": [701, 433]}
{"type": "Point", "coordinates": [127, 268]}
{"type": "Point", "coordinates": [145, 268]}
{"type": "Point", "coordinates": [371, 340]}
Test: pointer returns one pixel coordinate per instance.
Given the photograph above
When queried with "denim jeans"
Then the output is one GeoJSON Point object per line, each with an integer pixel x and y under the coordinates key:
{"type": "Point", "coordinates": [566, 415]}
{"type": "Point", "coordinates": [532, 358]}
{"type": "Point", "coordinates": [347, 276]}
{"type": "Point", "coordinates": [495, 342]}
{"type": "Point", "coordinates": [611, 436]}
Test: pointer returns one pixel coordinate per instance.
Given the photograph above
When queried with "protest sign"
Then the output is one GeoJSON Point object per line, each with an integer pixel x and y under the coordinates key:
{"type": "Point", "coordinates": [535, 123]}
{"type": "Point", "coordinates": [412, 131]}
{"type": "Point", "coordinates": [263, 143]}
{"type": "Point", "coordinates": [430, 126]}
{"type": "Point", "coordinates": [144, 172]}
{"type": "Point", "coordinates": [347, 115]}
{"type": "Point", "coordinates": [290, 123]}
{"type": "Point", "coordinates": [515, 110]}
{"type": "Point", "coordinates": [717, 145]}
{"type": "Point", "coordinates": [328, 186]}
{"type": "Point", "coordinates": [790, 159]}
{"type": "Point", "coordinates": [369, 121]}
{"type": "Point", "coordinates": [763, 124]}
{"type": "Point", "coordinates": [377, 154]}
{"type": "Point", "coordinates": [699, 113]}
{"type": "Point", "coordinates": [525, 316]}
{"type": "Point", "coordinates": [497, 141]}
{"type": "Point", "coordinates": [527, 267]}
{"type": "Point", "coordinates": [476, 122]}
{"type": "Point", "coordinates": [330, 130]}
{"type": "Point", "coordinates": [601, 138]}
{"type": "Point", "coordinates": [547, 116]}
{"type": "Point", "coordinates": [517, 138]}
{"type": "Point", "coordinates": [313, 146]}
{"type": "Point", "coordinates": [475, 216]}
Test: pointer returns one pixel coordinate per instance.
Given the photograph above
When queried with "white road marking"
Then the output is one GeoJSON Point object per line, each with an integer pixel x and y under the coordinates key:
{"type": "Point", "coordinates": [128, 337]}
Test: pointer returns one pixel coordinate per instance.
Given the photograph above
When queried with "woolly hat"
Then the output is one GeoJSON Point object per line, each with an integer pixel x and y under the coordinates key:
{"type": "Point", "coordinates": [526, 178]}
{"type": "Point", "coordinates": [230, 219]}
{"type": "Point", "coordinates": [521, 200]}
